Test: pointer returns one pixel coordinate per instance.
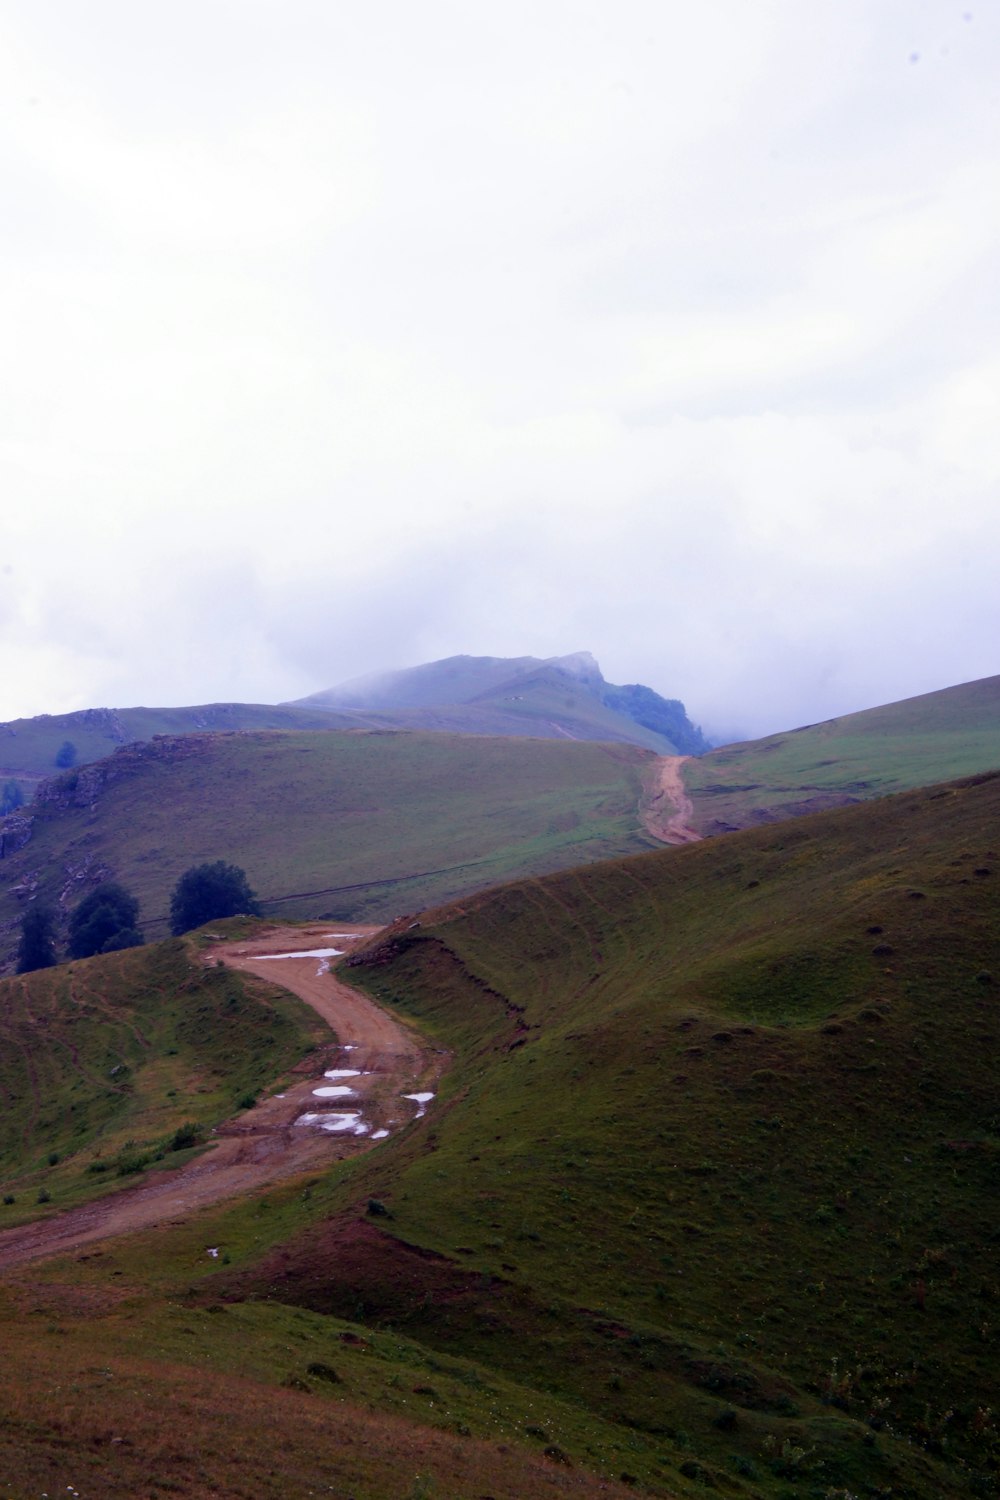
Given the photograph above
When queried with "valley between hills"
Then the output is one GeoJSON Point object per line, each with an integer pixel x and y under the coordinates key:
{"type": "Point", "coordinates": [689, 1176]}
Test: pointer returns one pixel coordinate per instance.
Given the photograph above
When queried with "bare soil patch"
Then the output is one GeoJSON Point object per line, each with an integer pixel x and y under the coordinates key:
{"type": "Point", "coordinates": [666, 810]}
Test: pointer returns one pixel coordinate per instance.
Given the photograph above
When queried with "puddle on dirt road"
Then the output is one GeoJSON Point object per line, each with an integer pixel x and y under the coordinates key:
{"type": "Point", "coordinates": [349, 1120]}
{"type": "Point", "coordinates": [301, 953]}
{"type": "Point", "coordinates": [344, 1073]}
{"type": "Point", "coordinates": [324, 954]}
{"type": "Point", "coordinates": [420, 1099]}
{"type": "Point", "coordinates": [335, 1091]}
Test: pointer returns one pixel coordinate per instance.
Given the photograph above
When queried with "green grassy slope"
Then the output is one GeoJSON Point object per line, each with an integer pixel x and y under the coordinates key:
{"type": "Point", "coordinates": [28, 747]}
{"type": "Point", "coordinates": [706, 1204]}
{"type": "Point", "coordinates": [935, 737]}
{"type": "Point", "coordinates": [381, 822]}
{"type": "Point", "coordinates": [102, 1060]}
{"type": "Point", "coordinates": [561, 699]}
{"type": "Point", "coordinates": [717, 1161]}
{"type": "Point", "coordinates": [120, 1378]}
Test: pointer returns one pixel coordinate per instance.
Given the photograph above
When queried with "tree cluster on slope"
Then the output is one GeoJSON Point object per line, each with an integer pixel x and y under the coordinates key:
{"type": "Point", "coordinates": [104, 922]}
{"type": "Point", "coordinates": [37, 948]}
{"type": "Point", "coordinates": [210, 891]}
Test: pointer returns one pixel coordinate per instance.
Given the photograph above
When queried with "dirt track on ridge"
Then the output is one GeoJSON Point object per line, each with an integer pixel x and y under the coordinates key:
{"type": "Point", "coordinates": [667, 811]}
{"type": "Point", "coordinates": [263, 1144]}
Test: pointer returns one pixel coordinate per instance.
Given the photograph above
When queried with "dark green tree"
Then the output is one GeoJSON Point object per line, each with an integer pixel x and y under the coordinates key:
{"type": "Point", "coordinates": [104, 921]}
{"type": "Point", "coordinates": [207, 892]}
{"type": "Point", "coordinates": [37, 949]}
{"type": "Point", "coordinates": [66, 755]}
{"type": "Point", "coordinates": [11, 798]}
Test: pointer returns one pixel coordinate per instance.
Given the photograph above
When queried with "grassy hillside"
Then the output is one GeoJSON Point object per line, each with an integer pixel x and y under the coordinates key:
{"type": "Point", "coordinates": [29, 747]}
{"type": "Point", "coordinates": [935, 737]}
{"type": "Point", "coordinates": [565, 698]}
{"type": "Point", "coordinates": [119, 1379]}
{"type": "Point", "coordinates": [718, 1161]}
{"type": "Point", "coordinates": [353, 824]}
{"type": "Point", "coordinates": [706, 1204]}
{"type": "Point", "coordinates": [102, 1061]}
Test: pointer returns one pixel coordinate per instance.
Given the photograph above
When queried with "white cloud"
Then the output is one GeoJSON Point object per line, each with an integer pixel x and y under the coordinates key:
{"type": "Point", "coordinates": [339, 337]}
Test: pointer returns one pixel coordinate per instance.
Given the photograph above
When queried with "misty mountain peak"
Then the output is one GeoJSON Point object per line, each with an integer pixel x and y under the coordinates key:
{"type": "Point", "coordinates": [581, 664]}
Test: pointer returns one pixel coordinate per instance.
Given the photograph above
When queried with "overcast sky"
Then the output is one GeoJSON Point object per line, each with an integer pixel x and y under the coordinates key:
{"type": "Point", "coordinates": [341, 335]}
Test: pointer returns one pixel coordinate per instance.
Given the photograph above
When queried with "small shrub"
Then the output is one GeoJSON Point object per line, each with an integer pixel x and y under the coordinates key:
{"type": "Point", "coordinates": [9, 1198]}
{"type": "Point", "coordinates": [323, 1372]}
{"type": "Point", "coordinates": [377, 1209]}
{"type": "Point", "coordinates": [43, 1196]}
{"type": "Point", "coordinates": [126, 1166]}
{"type": "Point", "coordinates": [53, 1158]}
{"type": "Point", "coordinates": [188, 1134]}
{"type": "Point", "coordinates": [246, 1101]}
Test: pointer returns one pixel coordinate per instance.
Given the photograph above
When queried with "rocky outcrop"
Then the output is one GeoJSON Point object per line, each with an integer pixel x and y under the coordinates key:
{"type": "Point", "coordinates": [15, 832]}
{"type": "Point", "coordinates": [106, 720]}
{"type": "Point", "coordinates": [74, 788]}
{"type": "Point", "coordinates": [79, 874]}
{"type": "Point", "coordinates": [82, 787]}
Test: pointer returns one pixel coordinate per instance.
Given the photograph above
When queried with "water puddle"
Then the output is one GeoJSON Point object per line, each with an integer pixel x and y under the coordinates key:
{"type": "Point", "coordinates": [344, 1073]}
{"type": "Point", "coordinates": [335, 1091]}
{"type": "Point", "coordinates": [348, 1121]}
{"type": "Point", "coordinates": [379, 1135]}
{"type": "Point", "coordinates": [301, 953]}
{"type": "Point", "coordinates": [325, 954]}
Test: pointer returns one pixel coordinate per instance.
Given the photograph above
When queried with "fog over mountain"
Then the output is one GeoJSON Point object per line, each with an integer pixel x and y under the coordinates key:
{"type": "Point", "coordinates": [340, 339]}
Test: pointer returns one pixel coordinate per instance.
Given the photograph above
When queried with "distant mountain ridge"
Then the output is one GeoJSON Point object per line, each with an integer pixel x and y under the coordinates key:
{"type": "Point", "coordinates": [544, 697]}
{"type": "Point", "coordinates": [562, 697]}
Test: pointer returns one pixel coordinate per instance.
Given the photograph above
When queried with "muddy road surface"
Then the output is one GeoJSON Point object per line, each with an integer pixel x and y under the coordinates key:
{"type": "Point", "coordinates": [371, 1062]}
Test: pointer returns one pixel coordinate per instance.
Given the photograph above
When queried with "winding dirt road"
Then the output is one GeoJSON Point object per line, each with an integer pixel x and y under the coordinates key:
{"type": "Point", "coordinates": [265, 1144]}
{"type": "Point", "coordinates": [667, 811]}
